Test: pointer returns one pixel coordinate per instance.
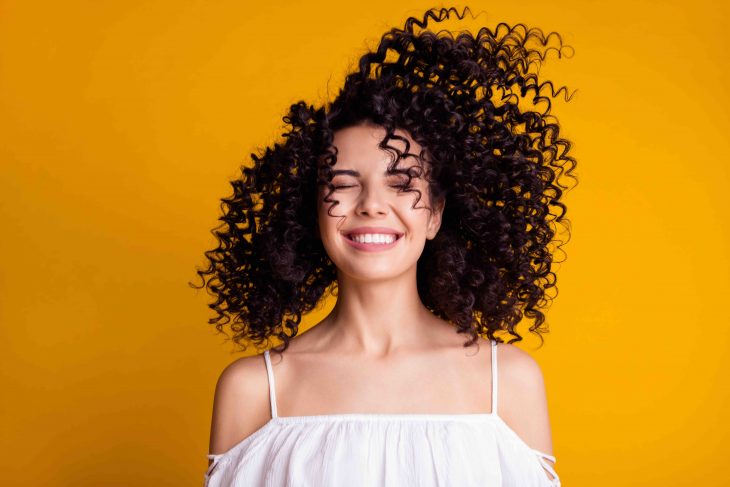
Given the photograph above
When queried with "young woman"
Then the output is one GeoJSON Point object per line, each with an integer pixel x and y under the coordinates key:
{"type": "Point", "coordinates": [421, 197]}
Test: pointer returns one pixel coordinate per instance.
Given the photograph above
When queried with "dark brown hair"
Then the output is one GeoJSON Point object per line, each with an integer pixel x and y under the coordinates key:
{"type": "Point", "coordinates": [497, 165]}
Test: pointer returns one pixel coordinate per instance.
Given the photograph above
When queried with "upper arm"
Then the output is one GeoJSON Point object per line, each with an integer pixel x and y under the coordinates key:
{"type": "Point", "coordinates": [522, 379]}
{"type": "Point", "coordinates": [240, 404]}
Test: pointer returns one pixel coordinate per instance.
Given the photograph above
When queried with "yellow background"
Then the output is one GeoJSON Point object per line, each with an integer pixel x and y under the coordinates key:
{"type": "Point", "coordinates": [122, 122]}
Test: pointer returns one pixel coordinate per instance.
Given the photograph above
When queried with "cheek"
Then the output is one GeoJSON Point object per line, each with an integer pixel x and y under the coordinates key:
{"type": "Point", "coordinates": [327, 224]}
{"type": "Point", "coordinates": [415, 219]}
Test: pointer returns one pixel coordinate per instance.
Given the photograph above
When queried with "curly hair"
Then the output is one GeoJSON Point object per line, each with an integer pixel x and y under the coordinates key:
{"type": "Point", "coordinates": [497, 166]}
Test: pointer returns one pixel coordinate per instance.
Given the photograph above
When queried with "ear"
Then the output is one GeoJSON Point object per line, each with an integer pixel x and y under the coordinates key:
{"type": "Point", "coordinates": [434, 223]}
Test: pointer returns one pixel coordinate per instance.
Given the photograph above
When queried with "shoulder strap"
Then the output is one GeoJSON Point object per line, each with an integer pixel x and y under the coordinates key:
{"type": "Point", "coordinates": [272, 384]}
{"type": "Point", "coordinates": [494, 377]}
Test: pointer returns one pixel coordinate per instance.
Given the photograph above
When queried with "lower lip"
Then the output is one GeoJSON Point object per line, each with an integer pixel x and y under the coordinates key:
{"type": "Point", "coordinates": [372, 247]}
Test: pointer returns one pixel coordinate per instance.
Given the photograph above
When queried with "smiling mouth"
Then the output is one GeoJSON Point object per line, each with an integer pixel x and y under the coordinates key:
{"type": "Point", "coordinates": [397, 237]}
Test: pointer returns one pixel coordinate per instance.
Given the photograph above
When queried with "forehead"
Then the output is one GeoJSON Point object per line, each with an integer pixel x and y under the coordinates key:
{"type": "Point", "coordinates": [358, 145]}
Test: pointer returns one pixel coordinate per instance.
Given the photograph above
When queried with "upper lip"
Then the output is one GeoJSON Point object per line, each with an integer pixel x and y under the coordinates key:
{"type": "Point", "coordinates": [381, 230]}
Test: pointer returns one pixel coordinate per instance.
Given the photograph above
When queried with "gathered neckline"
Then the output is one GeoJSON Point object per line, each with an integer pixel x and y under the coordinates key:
{"type": "Point", "coordinates": [315, 418]}
{"type": "Point", "coordinates": [380, 416]}
{"type": "Point", "coordinates": [318, 418]}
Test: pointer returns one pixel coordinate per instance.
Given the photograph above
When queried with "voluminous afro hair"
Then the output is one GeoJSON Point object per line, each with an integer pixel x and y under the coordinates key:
{"type": "Point", "coordinates": [497, 165]}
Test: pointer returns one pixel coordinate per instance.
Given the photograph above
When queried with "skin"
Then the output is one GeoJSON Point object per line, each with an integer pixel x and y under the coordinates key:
{"type": "Point", "coordinates": [378, 312]}
{"type": "Point", "coordinates": [379, 350]}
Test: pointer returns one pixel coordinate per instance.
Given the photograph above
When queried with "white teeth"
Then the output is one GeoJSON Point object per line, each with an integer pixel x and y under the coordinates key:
{"type": "Point", "coordinates": [374, 238]}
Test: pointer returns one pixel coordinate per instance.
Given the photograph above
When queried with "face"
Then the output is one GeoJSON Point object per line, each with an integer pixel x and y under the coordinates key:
{"type": "Point", "coordinates": [368, 197]}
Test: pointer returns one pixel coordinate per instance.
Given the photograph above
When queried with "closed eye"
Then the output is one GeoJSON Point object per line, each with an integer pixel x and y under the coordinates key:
{"type": "Point", "coordinates": [392, 186]}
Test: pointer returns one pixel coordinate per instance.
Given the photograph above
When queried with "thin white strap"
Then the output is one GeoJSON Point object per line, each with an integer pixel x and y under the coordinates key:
{"type": "Point", "coordinates": [494, 377]}
{"type": "Point", "coordinates": [272, 385]}
{"type": "Point", "coordinates": [555, 480]}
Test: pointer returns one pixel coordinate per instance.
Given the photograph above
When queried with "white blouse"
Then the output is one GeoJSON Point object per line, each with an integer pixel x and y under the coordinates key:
{"type": "Point", "coordinates": [398, 450]}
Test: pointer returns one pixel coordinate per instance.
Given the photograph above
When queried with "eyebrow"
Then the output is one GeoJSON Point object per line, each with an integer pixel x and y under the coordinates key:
{"type": "Point", "coordinates": [352, 172]}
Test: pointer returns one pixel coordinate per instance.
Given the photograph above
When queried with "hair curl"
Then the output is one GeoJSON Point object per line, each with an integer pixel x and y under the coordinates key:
{"type": "Point", "coordinates": [497, 166]}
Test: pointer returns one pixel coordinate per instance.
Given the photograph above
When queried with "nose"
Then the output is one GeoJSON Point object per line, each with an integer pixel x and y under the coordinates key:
{"type": "Point", "coordinates": [372, 201]}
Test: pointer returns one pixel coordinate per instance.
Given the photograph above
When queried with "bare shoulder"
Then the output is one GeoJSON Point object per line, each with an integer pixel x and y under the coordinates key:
{"type": "Point", "coordinates": [522, 398]}
{"type": "Point", "coordinates": [241, 403]}
{"type": "Point", "coordinates": [519, 368]}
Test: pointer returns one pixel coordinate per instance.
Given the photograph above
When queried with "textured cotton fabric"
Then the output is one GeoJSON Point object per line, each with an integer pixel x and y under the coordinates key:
{"type": "Point", "coordinates": [393, 450]}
